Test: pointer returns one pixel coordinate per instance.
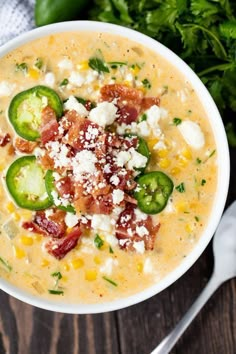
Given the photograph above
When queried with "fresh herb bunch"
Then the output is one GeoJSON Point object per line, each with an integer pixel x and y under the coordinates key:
{"type": "Point", "coordinates": [202, 32]}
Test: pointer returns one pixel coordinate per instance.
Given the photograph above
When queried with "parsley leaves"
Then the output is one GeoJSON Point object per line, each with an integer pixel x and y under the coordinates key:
{"type": "Point", "coordinates": [180, 188]}
{"type": "Point", "coordinates": [98, 65]}
{"type": "Point", "coordinates": [177, 121]}
{"type": "Point", "coordinates": [98, 241]}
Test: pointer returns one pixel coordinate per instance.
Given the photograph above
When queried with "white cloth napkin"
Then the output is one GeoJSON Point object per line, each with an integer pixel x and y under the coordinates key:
{"type": "Point", "coordinates": [16, 16]}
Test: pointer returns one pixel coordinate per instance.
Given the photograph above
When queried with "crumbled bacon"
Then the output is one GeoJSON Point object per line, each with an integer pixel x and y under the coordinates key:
{"type": "Point", "coordinates": [123, 94]}
{"type": "Point", "coordinates": [26, 146]}
{"type": "Point", "coordinates": [54, 225]}
{"type": "Point", "coordinates": [65, 186]}
{"type": "Point", "coordinates": [126, 229]}
{"type": "Point", "coordinates": [127, 115]}
{"type": "Point", "coordinates": [33, 227]}
{"type": "Point", "coordinates": [5, 139]}
{"type": "Point", "coordinates": [59, 248]}
{"type": "Point", "coordinates": [49, 127]}
{"type": "Point", "coordinates": [148, 102]}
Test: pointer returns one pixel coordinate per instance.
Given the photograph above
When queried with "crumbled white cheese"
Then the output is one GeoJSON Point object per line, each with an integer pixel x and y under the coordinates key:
{"type": "Point", "coordinates": [104, 114]}
{"type": "Point", "coordinates": [84, 162]}
{"type": "Point", "coordinates": [192, 134]}
{"type": "Point", "coordinates": [160, 145]}
{"type": "Point", "coordinates": [163, 112]}
{"type": "Point", "coordinates": [76, 79]}
{"type": "Point", "coordinates": [153, 115]}
{"type": "Point", "coordinates": [169, 207]}
{"type": "Point", "coordinates": [71, 219]}
{"type": "Point", "coordinates": [139, 246]}
{"type": "Point", "coordinates": [49, 79]}
{"type": "Point", "coordinates": [117, 196]}
{"type": "Point", "coordinates": [91, 76]}
{"type": "Point", "coordinates": [114, 180]}
{"type": "Point", "coordinates": [137, 160]}
{"type": "Point", "coordinates": [122, 242]}
{"type": "Point", "coordinates": [6, 88]}
{"type": "Point", "coordinates": [142, 231]}
{"type": "Point", "coordinates": [147, 267]}
{"type": "Point", "coordinates": [144, 129]}
{"type": "Point", "coordinates": [38, 152]}
{"type": "Point", "coordinates": [112, 240]}
{"type": "Point", "coordinates": [48, 212]}
{"type": "Point", "coordinates": [65, 64]}
{"type": "Point", "coordinates": [108, 266]}
{"type": "Point", "coordinates": [101, 222]}
{"type": "Point", "coordinates": [122, 158]}
{"type": "Point", "coordinates": [58, 153]}
{"type": "Point", "coordinates": [73, 104]}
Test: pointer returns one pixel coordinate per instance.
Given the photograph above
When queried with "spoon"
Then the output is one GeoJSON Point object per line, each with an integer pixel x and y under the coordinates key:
{"type": "Point", "coordinates": [224, 249]}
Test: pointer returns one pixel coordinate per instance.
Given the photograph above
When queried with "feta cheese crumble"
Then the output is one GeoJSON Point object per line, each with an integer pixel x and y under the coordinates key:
{"type": "Point", "coordinates": [117, 196]}
{"type": "Point", "coordinates": [6, 88]}
{"type": "Point", "coordinates": [49, 79]}
{"type": "Point", "coordinates": [72, 104]}
{"type": "Point", "coordinates": [192, 134]}
{"type": "Point", "coordinates": [104, 114]}
{"type": "Point", "coordinates": [65, 64]}
{"type": "Point", "coordinates": [139, 246]}
{"type": "Point", "coordinates": [101, 222]}
{"type": "Point", "coordinates": [71, 219]}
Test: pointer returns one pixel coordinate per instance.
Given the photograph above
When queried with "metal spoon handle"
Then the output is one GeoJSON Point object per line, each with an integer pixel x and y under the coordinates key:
{"type": "Point", "coordinates": [168, 342]}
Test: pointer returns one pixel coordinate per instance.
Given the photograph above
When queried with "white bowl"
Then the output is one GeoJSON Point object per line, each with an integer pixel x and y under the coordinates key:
{"type": "Point", "coordinates": [222, 155]}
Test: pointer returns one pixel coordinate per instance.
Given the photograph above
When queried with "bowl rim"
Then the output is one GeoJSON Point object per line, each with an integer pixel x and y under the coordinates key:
{"type": "Point", "coordinates": [222, 156]}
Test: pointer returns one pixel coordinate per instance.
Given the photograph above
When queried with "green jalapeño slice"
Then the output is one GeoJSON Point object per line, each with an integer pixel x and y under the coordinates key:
{"type": "Point", "coordinates": [26, 107]}
{"type": "Point", "coordinates": [153, 191]}
{"type": "Point", "coordinates": [26, 184]}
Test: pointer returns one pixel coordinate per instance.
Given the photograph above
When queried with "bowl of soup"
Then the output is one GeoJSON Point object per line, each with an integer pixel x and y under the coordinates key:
{"type": "Point", "coordinates": [114, 167]}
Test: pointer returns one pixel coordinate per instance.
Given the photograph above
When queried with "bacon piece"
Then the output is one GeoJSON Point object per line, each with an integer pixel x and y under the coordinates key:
{"type": "Point", "coordinates": [127, 115]}
{"type": "Point", "coordinates": [102, 205]}
{"type": "Point", "coordinates": [32, 227]}
{"type": "Point", "coordinates": [26, 146]}
{"type": "Point", "coordinates": [148, 102]}
{"type": "Point", "coordinates": [131, 96]}
{"type": "Point", "coordinates": [54, 225]}
{"type": "Point", "coordinates": [47, 162]}
{"type": "Point", "coordinates": [65, 186]}
{"type": "Point", "coordinates": [5, 139]}
{"type": "Point", "coordinates": [69, 119]}
{"type": "Point", "coordinates": [49, 126]}
{"type": "Point", "coordinates": [59, 248]}
{"type": "Point", "coordinates": [126, 229]}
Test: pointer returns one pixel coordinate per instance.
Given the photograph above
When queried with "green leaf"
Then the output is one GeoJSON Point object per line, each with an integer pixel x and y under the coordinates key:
{"type": "Point", "coordinates": [146, 83]}
{"type": "Point", "coordinates": [228, 29]}
{"type": "Point", "coordinates": [23, 67]}
{"type": "Point", "coordinates": [122, 7]}
{"type": "Point", "coordinates": [180, 188]}
{"type": "Point", "coordinates": [231, 134]}
{"type": "Point", "coordinates": [98, 65]}
{"type": "Point", "coordinates": [57, 275]}
{"type": "Point", "coordinates": [39, 63]}
{"type": "Point", "coordinates": [177, 121]}
{"type": "Point", "coordinates": [98, 241]}
{"type": "Point", "coordinates": [64, 82]}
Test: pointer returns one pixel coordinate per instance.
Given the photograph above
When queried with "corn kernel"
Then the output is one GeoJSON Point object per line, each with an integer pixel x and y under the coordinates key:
{"type": "Point", "coordinates": [187, 154]}
{"type": "Point", "coordinates": [1, 167]}
{"type": "Point", "coordinates": [128, 83]}
{"type": "Point", "coordinates": [77, 263]}
{"type": "Point", "coordinates": [33, 74]}
{"type": "Point", "coordinates": [181, 206]}
{"type": "Point", "coordinates": [90, 274]}
{"type": "Point", "coordinates": [38, 238]}
{"type": "Point", "coordinates": [18, 252]}
{"type": "Point", "coordinates": [26, 214]}
{"type": "Point", "coordinates": [16, 216]}
{"type": "Point", "coordinates": [96, 87]}
{"type": "Point", "coordinates": [152, 143]}
{"type": "Point", "coordinates": [66, 267]}
{"type": "Point", "coordinates": [44, 262]}
{"type": "Point", "coordinates": [64, 278]}
{"type": "Point", "coordinates": [11, 207]}
{"type": "Point", "coordinates": [26, 240]}
{"type": "Point", "coordinates": [135, 69]}
{"type": "Point", "coordinates": [164, 163]}
{"type": "Point", "coordinates": [83, 65]}
{"type": "Point", "coordinates": [140, 267]}
{"type": "Point", "coordinates": [175, 171]}
{"type": "Point", "coordinates": [188, 228]}
{"type": "Point", "coordinates": [97, 260]}
{"type": "Point", "coordinates": [162, 153]}
{"type": "Point", "coordinates": [182, 161]}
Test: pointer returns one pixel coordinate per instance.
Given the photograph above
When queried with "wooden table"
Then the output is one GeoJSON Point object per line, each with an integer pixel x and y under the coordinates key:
{"type": "Point", "coordinates": [135, 330]}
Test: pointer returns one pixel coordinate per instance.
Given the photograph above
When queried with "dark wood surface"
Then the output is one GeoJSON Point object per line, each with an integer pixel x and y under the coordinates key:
{"type": "Point", "coordinates": [134, 330]}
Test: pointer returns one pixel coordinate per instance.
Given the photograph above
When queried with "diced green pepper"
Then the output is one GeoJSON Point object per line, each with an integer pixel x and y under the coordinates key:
{"type": "Point", "coordinates": [153, 191]}
{"type": "Point", "coordinates": [26, 184]}
{"type": "Point", "coordinates": [26, 107]}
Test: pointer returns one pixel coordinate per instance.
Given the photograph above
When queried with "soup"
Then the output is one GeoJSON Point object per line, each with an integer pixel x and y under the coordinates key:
{"type": "Point", "coordinates": [108, 166]}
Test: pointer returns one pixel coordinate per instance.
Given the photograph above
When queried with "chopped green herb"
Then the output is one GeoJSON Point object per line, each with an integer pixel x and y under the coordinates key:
{"type": "Point", "coordinates": [55, 292]}
{"type": "Point", "coordinates": [115, 64]}
{"type": "Point", "coordinates": [198, 161]}
{"type": "Point", "coordinates": [177, 121]}
{"type": "Point", "coordinates": [6, 264]}
{"type": "Point", "coordinates": [57, 275]}
{"type": "Point", "coordinates": [196, 218]}
{"type": "Point", "coordinates": [38, 63]}
{"type": "Point", "coordinates": [146, 83]}
{"type": "Point", "coordinates": [203, 182]}
{"type": "Point", "coordinates": [211, 154]}
{"type": "Point", "coordinates": [23, 67]}
{"type": "Point", "coordinates": [134, 66]}
{"type": "Point", "coordinates": [98, 241]}
{"type": "Point", "coordinates": [142, 118]}
{"type": "Point", "coordinates": [186, 212]}
{"type": "Point", "coordinates": [111, 250]}
{"type": "Point", "coordinates": [113, 78]}
{"type": "Point", "coordinates": [98, 65]}
{"type": "Point", "coordinates": [64, 82]}
{"type": "Point", "coordinates": [109, 281]}
{"type": "Point", "coordinates": [180, 188]}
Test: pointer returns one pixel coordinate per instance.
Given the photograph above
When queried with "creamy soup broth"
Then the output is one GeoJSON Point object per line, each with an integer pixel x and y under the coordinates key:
{"type": "Point", "coordinates": [193, 169]}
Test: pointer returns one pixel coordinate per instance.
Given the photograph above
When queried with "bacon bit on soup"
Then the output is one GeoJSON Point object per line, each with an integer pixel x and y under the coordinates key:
{"type": "Point", "coordinates": [59, 248]}
{"type": "Point", "coordinates": [26, 146]}
{"type": "Point", "coordinates": [54, 225]}
{"type": "Point", "coordinates": [5, 139]}
{"type": "Point", "coordinates": [49, 127]}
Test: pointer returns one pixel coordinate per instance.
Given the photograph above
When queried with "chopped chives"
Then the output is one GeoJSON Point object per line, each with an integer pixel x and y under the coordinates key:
{"type": "Point", "coordinates": [109, 281]}
{"type": "Point", "coordinates": [111, 250]}
{"type": "Point", "coordinates": [55, 292]}
{"type": "Point", "coordinates": [6, 264]}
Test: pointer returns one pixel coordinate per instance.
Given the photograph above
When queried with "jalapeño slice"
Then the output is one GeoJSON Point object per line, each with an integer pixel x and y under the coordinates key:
{"type": "Point", "coordinates": [51, 191]}
{"type": "Point", "coordinates": [26, 184]}
{"type": "Point", "coordinates": [26, 107]}
{"type": "Point", "coordinates": [153, 191]}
